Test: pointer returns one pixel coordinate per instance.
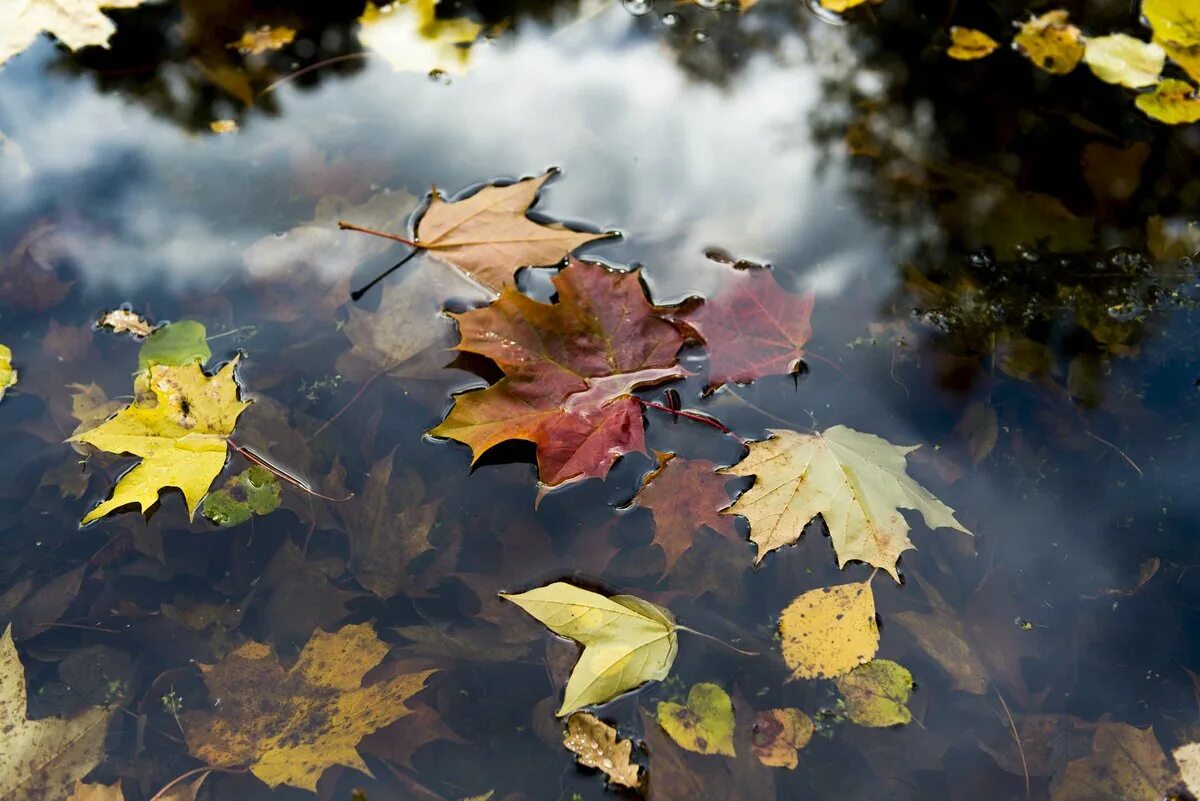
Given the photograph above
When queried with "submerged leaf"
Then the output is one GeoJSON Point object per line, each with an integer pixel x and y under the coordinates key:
{"type": "Point", "coordinates": [779, 734]}
{"type": "Point", "coordinates": [595, 745]}
{"type": "Point", "coordinates": [627, 641]}
{"type": "Point", "coordinates": [876, 694]}
{"type": "Point", "coordinates": [254, 491]}
{"type": "Point", "coordinates": [1051, 42]}
{"type": "Point", "coordinates": [1124, 60]}
{"type": "Point", "coordinates": [1172, 101]}
{"type": "Point", "coordinates": [75, 23]}
{"type": "Point", "coordinates": [705, 724]}
{"type": "Point", "coordinates": [1126, 763]}
{"type": "Point", "coordinates": [8, 376]}
{"type": "Point", "coordinates": [968, 44]}
{"type": "Point", "coordinates": [829, 631]}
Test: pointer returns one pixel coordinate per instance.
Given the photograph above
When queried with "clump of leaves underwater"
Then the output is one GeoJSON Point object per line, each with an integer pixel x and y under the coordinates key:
{"type": "Point", "coordinates": [860, 463]}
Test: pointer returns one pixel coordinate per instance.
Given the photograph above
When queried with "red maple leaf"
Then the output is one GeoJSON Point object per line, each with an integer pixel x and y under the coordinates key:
{"type": "Point", "coordinates": [569, 368]}
{"type": "Point", "coordinates": [754, 327]}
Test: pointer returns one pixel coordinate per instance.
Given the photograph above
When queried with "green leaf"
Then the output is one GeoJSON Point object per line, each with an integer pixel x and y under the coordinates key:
{"type": "Point", "coordinates": [175, 345]}
{"type": "Point", "coordinates": [705, 724]}
{"type": "Point", "coordinates": [876, 694]}
{"type": "Point", "coordinates": [254, 491]}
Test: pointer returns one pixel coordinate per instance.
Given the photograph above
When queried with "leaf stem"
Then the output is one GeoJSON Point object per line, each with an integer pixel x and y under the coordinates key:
{"type": "Point", "coordinates": [715, 639]}
{"type": "Point", "coordinates": [699, 418]}
{"type": "Point", "coordinates": [358, 293]}
{"type": "Point", "coordinates": [297, 482]}
{"type": "Point", "coordinates": [161, 794]}
{"type": "Point", "coordinates": [345, 226]}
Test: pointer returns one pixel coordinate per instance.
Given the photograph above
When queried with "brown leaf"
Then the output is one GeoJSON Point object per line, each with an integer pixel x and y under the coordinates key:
{"type": "Point", "coordinates": [779, 734]}
{"type": "Point", "coordinates": [595, 745]}
{"type": "Point", "coordinates": [299, 596]}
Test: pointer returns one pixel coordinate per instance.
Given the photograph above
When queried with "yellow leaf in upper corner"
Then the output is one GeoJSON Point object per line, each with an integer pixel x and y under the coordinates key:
{"type": "Point", "coordinates": [778, 734]}
{"type": "Point", "coordinates": [968, 44]}
{"type": "Point", "coordinates": [263, 39]}
{"type": "Point", "coordinates": [1176, 21]}
{"type": "Point", "coordinates": [409, 35]}
{"type": "Point", "coordinates": [181, 434]}
{"type": "Point", "coordinates": [75, 23]}
{"type": "Point", "coordinates": [42, 759]}
{"type": "Point", "coordinates": [8, 376]}
{"type": "Point", "coordinates": [595, 745]}
{"type": "Point", "coordinates": [855, 481]}
{"type": "Point", "coordinates": [1172, 101]}
{"type": "Point", "coordinates": [626, 641]}
{"type": "Point", "coordinates": [1051, 42]}
{"type": "Point", "coordinates": [830, 631]}
{"type": "Point", "coordinates": [1126, 763]}
{"type": "Point", "coordinates": [291, 725]}
{"type": "Point", "coordinates": [703, 725]}
{"type": "Point", "coordinates": [876, 694]}
{"type": "Point", "coordinates": [97, 792]}
{"type": "Point", "coordinates": [1124, 60]}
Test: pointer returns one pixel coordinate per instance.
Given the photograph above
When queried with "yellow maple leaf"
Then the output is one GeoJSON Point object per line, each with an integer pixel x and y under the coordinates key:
{"type": "Point", "coordinates": [75, 23]}
{"type": "Point", "coordinates": [179, 424]}
{"type": "Point", "coordinates": [291, 725]}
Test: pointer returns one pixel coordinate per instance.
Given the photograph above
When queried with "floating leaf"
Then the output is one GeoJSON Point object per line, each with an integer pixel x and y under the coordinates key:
{"type": "Point", "coordinates": [855, 481]}
{"type": "Point", "coordinates": [1051, 42]}
{"type": "Point", "coordinates": [1176, 21]}
{"type": "Point", "coordinates": [126, 321]}
{"type": "Point", "coordinates": [1187, 757]}
{"type": "Point", "coordinates": [75, 23]}
{"type": "Point", "coordinates": [254, 491]}
{"type": "Point", "coordinates": [595, 745]}
{"type": "Point", "coordinates": [968, 44]}
{"type": "Point", "coordinates": [569, 368]}
{"type": "Point", "coordinates": [683, 495]}
{"type": "Point", "coordinates": [844, 5]}
{"type": "Point", "coordinates": [263, 39]}
{"type": "Point", "coordinates": [410, 36]}
{"type": "Point", "coordinates": [223, 126]}
{"type": "Point", "coordinates": [1172, 101]}
{"type": "Point", "coordinates": [180, 433]}
{"type": "Point", "coordinates": [829, 631]}
{"type": "Point", "coordinates": [779, 734]}
{"type": "Point", "coordinates": [876, 694]}
{"type": "Point", "coordinates": [705, 724]}
{"type": "Point", "coordinates": [1124, 60]}
{"type": "Point", "coordinates": [97, 792]}
{"type": "Point", "coordinates": [627, 641]}
{"type": "Point", "coordinates": [1187, 57]}
{"type": "Point", "coordinates": [1126, 763]}
{"type": "Point", "coordinates": [752, 328]}
{"type": "Point", "coordinates": [42, 759]}
{"type": "Point", "coordinates": [8, 376]}
{"type": "Point", "coordinates": [175, 344]}
{"type": "Point", "coordinates": [291, 725]}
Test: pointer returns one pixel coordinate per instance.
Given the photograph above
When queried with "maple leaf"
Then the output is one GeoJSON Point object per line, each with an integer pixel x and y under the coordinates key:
{"type": "Point", "coordinates": [291, 725]}
{"type": "Point", "coordinates": [569, 368]}
{"type": "Point", "coordinates": [752, 328]}
{"type": "Point", "coordinates": [75, 23]}
{"type": "Point", "coordinates": [42, 759]}
{"type": "Point", "coordinates": [595, 745]}
{"type": "Point", "coordinates": [1126, 763]}
{"type": "Point", "coordinates": [855, 481]}
{"type": "Point", "coordinates": [180, 433]}
{"type": "Point", "coordinates": [626, 641]}
{"type": "Point", "coordinates": [683, 495]}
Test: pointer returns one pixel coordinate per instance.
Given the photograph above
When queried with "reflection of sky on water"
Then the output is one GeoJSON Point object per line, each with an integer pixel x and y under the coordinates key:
{"type": "Point", "coordinates": [677, 165]}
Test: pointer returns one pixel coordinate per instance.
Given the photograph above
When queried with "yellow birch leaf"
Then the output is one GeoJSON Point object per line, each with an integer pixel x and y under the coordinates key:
{"type": "Point", "coordinates": [829, 631]}
{"type": "Point", "coordinates": [1176, 21]}
{"type": "Point", "coordinates": [1051, 42]}
{"type": "Point", "coordinates": [1124, 60]}
{"type": "Point", "coordinates": [42, 759]}
{"type": "Point", "coordinates": [595, 745]}
{"type": "Point", "coordinates": [409, 35]}
{"type": "Point", "coordinates": [876, 694]}
{"type": "Point", "coordinates": [703, 725]}
{"type": "Point", "coordinates": [778, 734]}
{"type": "Point", "coordinates": [1172, 101]}
{"type": "Point", "coordinates": [968, 44]}
{"type": "Point", "coordinates": [75, 23]}
{"type": "Point", "coordinates": [8, 376]}
{"type": "Point", "coordinates": [181, 435]}
{"type": "Point", "coordinates": [855, 481]}
{"type": "Point", "coordinates": [291, 725]}
{"type": "Point", "coordinates": [1126, 763]}
{"type": "Point", "coordinates": [626, 641]}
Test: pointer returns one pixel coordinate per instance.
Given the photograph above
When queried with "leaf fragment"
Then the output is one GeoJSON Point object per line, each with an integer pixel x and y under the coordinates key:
{"type": "Point", "coordinates": [75, 23]}
{"type": "Point", "coordinates": [968, 44]}
{"type": "Point", "coordinates": [97, 792]}
{"type": "Point", "coordinates": [1126, 763]}
{"type": "Point", "coordinates": [1172, 101]}
{"type": "Point", "coordinates": [1051, 42]}
{"type": "Point", "coordinates": [827, 632]}
{"type": "Point", "coordinates": [262, 39]}
{"type": "Point", "coordinates": [254, 491]}
{"type": "Point", "coordinates": [1124, 60]}
{"type": "Point", "coordinates": [595, 745]}
{"type": "Point", "coordinates": [876, 694]}
{"type": "Point", "coordinates": [779, 734]}
{"type": "Point", "coordinates": [704, 724]}
{"type": "Point", "coordinates": [8, 376]}
{"type": "Point", "coordinates": [1187, 757]}
{"type": "Point", "coordinates": [126, 321]}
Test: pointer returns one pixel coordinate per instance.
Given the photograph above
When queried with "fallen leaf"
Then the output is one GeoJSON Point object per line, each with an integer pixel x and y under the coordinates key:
{"type": "Point", "coordinates": [289, 726]}
{"type": "Point", "coordinates": [1186, 56]}
{"type": "Point", "coordinates": [683, 495]}
{"type": "Point", "coordinates": [262, 39]}
{"type": "Point", "coordinates": [8, 376]}
{"type": "Point", "coordinates": [1114, 173]}
{"type": "Point", "coordinates": [626, 641]}
{"type": "Point", "coordinates": [42, 759]}
{"type": "Point", "coordinates": [181, 436]}
{"type": "Point", "coordinates": [126, 321]}
{"type": "Point", "coordinates": [1176, 21]}
{"type": "Point", "coordinates": [941, 635]}
{"type": "Point", "coordinates": [175, 344]}
{"type": "Point", "coordinates": [752, 328]}
{"type": "Point", "coordinates": [254, 491]}
{"type": "Point", "coordinates": [1047, 743]}
{"type": "Point", "coordinates": [96, 792]}
{"type": "Point", "coordinates": [1124, 60]}
{"type": "Point", "coordinates": [75, 23]}
{"type": "Point", "coordinates": [968, 44]}
{"type": "Point", "coordinates": [1126, 763]}
{"type": "Point", "coordinates": [300, 596]}
{"type": "Point", "coordinates": [569, 368]}
{"type": "Point", "coordinates": [1146, 571]}
{"type": "Point", "coordinates": [855, 481]}
{"type": "Point", "coordinates": [980, 429]}
{"type": "Point", "coordinates": [829, 631]}
{"type": "Point", "coordinates": [839, 6]}
{"type": "Point", "coordinates": [223, 126]}
{"type": "Point", "coordinates": [1051, 42]}
{"type": "Point", "coordinates": [703, 725]}
{"type": "Point", "coordinates": [1172, 101]}
{"type": "Point", "coordinates": [595, 745]}
{"type": "Point", "coordinates": [1187, 757]}
{"type": "Point", "coordinates": [410, 36]}
{"type": "Point", "coordinates": [488, 236]}
{"type": "Point", "coordinates": [876, 694]}
{"type": "Point", "coordinates": [779, 734]}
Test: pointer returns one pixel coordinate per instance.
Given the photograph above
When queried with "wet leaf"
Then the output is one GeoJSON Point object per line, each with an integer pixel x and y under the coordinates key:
{"type": "Point", "coordinates": [752, 328]}
{"type": "Point", "coordinates": [569, 368]}
{"type": "Point", "coordinates": [829, 631]}
{"type": "Point", "coordinates": [779, 734]}
{"type": "Point", "coordinates": [980, 428]}
{"type": "Point", "coordinates": [703, 725]}
{"type": "Point", "coordinates": [263, 39]}
{"type": "Point", "coordinates": [291, 725]}
{"type": "Point", "coordinates": [175, 345]}
{"type": "Point", "coordinates": [97, 792]}
{"type": "Point", "coordinates": [1187, 757]}
{"type": "Point", "coordinates": [126, 321]}
{"type": "Point", "coordinates": [1126, 763]}
{"type": "Point", "coordinates": [8, 376]}
{"type": "Point", "coordinates": [1172, 101]}
{"type": "Point", "coordinates": [968, 44]}
{"type": "Point", "coordinates": [42, 759]}
{"type": "Point", "coordinates": [1187, 57]}
{"type": "Point", "coordinates": [855, 481]}
{"type": "Point", "coordinates": [410, 36]}
{"type": "Point", "coordinates": [1051, 42]}
{"type": "Point", "coordinates": [1048, 743]}
{"type": "Point", "coordinates": [1124, 60]}
{"type": "Point", "coordinates": [683, 495]}
{"type": "Point", "coordinates": [488, 236]}
{"type": "Point", "coordinates": [1176, 21]}
{"type": "Point", "coordinates": [1114, 172]}
{"type": "Point", "coordinates": [180, 433]}
{"type": "Point", "coordinates": [945, 638]}
{"type": "Point", "coordinates": [75, 23]}
{"type": "Point", "coordinates": [254, 491]}
{"type": "Point", "coordinates": [300, 595]}
{"type": "Point", "coordinates": [876, 694]}
{"type": "Point", "coordinates": [595, 745]}
{"type": "Point", "coordinates": [627, 641]}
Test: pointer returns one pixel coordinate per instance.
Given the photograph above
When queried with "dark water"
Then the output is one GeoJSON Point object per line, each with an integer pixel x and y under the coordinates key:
{"type": "Point", "coordinates": [975, 245]}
